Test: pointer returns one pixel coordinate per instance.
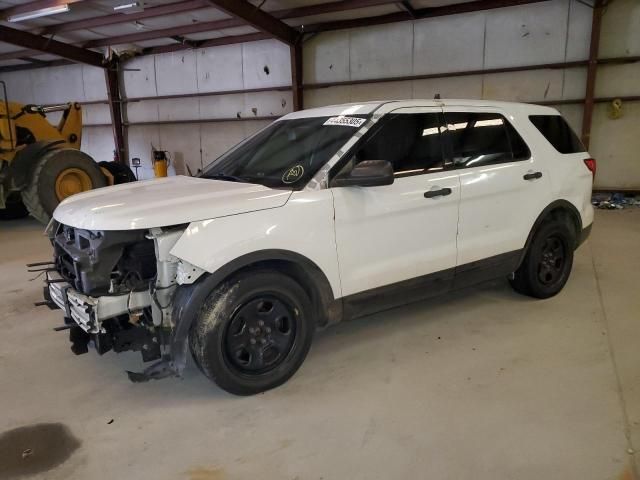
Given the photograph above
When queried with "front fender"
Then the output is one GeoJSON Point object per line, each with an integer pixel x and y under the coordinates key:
{"type": "Point", "coordinates": [304, 226]}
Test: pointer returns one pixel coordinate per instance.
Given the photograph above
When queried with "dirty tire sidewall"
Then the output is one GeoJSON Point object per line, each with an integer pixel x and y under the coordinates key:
{"type": "Point", "coordinates": [207, 336]}
{"type": "Point", "coordinates": [40, 196]}
{"type": "Point", "coordinates": [526, 279]}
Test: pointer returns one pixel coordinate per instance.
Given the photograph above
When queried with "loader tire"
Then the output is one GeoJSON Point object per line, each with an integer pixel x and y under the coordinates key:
{"type": "Point", "coordinates": [121, 173]}
{"type": "Point", "coordinates": [14, 208]}
{"type": "Point", "coordinates": [58, 175]}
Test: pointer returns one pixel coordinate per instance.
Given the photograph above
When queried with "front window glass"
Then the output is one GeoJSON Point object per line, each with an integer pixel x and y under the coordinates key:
{"type": "Point", "coordinates": [287, 153]}
{"type": "Point", "coordinates": [411, 142]}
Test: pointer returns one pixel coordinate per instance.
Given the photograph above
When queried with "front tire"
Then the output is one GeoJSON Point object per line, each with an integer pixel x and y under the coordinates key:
{"type": "Point", "coordinates": [547, 264]}
{"type": "Point", "coordinates": [253, 332]}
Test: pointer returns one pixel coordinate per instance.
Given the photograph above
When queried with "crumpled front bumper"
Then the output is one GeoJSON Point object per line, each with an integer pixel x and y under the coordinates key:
{"type": "Point", "coordinates": [89, 312]}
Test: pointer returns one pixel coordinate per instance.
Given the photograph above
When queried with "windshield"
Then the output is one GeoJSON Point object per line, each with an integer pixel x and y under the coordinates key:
{"type": "Point", "coordinates": [287, 153]}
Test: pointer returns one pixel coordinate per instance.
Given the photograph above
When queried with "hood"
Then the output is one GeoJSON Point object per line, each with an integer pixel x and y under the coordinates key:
{"type": "Point", "coordinates": [163, 202]}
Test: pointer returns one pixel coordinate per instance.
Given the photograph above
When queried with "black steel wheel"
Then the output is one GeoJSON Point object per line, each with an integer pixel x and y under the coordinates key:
{"type": "Point", "coordinates": [253, 332]}
{"type": "Point", "coordinates": [552, 260]}
{"type": "Point", "coordinates": [547, 264]}
{"type": "Point", "coordinates": [260, 335]}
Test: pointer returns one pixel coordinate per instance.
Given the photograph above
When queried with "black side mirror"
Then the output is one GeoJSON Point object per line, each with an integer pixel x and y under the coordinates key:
{"type": "Point", "coordinates": [370, 173]}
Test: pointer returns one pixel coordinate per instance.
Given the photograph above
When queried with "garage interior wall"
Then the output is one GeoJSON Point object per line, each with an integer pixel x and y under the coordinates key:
{"type": "Point", "coordinates": [541, 33]}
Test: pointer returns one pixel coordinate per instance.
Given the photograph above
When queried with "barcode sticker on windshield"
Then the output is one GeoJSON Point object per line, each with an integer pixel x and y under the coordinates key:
{"type": "Point", "coordinates": [345, 121]}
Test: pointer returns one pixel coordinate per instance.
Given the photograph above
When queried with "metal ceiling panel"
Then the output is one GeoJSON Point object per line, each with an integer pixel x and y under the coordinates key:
{"type": "Point", "coordinates": [8, 63]}
{"type": "Point", "coordinates": [282, 4]}
{"type": "Point", "coordinates": [182, 19]}
{"type": "Point", "coordinates": [154, 43]}
{"type": "Point", "coordinates": [17, 26]}
{"type": "Point", "coordinates": [79, 11]}
{"type": "Point", "coordinates": [435, 3]}
{"type": "Point", "coordinates": [205, 35]}
{"type": "Point", "coordinates": [235, 31]}
{"type": "Point", "coordinates": [7, 47]}
{"type": "Point", "coordinates": [77, 36]}
{"type": "Point", "coordinates": [346, 15]}
{"type": "Point", "coordinates": [207, 15]}
{"type": "Point", "coordinates": [46, 57]}
{"type": "Point", "coordinates": [121, 29]}
{"type": "Point", "coordinates": [109, 4]}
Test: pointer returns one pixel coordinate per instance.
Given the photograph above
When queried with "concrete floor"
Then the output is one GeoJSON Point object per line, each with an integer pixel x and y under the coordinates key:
{"type": "Point", "coordinates": [485, 384]}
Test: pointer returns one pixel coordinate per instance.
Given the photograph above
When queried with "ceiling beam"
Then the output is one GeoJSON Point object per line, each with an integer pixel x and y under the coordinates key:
{"type": "Point", "coordinates": [163, 33]}
{"type": "Point", "coordinates": [428, 12]}
{"type": "Point", "coordinates": [214, 42]}
{"type": "Point", "coordinates": [331, 7]}
{"type": "Point", "coordinates": [31, 66]}
{"type": "Point", "coordinates": [406, 5]}
{"type": "Point", "coordinates": [116, 18]}
{"type": "Point", "coordinates": [47, 45]}
{"type": "Point", "coordinates": [33, 6]}
{"type": "Point", "coordinates": [258, 19]}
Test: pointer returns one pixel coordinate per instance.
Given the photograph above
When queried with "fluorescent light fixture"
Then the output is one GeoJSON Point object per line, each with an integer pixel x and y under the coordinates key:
{"type": "Point", "coordinates": [129, 7]}
{"type": "Point", "coordinates": [43, 12]}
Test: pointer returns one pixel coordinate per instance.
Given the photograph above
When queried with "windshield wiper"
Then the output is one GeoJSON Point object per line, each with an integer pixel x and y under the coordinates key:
{"type": "Point", "coordinates": [224, 177]}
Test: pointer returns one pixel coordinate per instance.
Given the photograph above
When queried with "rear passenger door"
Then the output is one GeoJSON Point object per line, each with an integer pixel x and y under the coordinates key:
{"type": "Point", "coordinates": [504, 187]}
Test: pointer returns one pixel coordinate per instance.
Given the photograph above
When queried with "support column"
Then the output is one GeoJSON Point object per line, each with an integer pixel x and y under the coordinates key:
{"type": "Point", "coordinates": [296, 75]}
{"type": "Point", "coordinates": [112, 74]}
{"type": "Point", "coordinates": [592, 70]}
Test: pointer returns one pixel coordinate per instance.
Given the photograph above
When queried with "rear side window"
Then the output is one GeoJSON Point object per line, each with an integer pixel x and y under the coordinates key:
{"type": "Point", "coordinates": [558, 132]}
{"type": "Point", "coordinates": [483, 139]}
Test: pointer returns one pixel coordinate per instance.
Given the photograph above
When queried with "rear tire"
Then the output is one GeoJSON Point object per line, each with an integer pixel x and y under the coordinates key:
{"type": "Point", "coordinates": [121, 173]}
{"type": "Point", "coordinates": [547, 264]}
{"type": "Point", "coordinates": [45, 189]}
{"type": "Point", "coordinates": [14, 208]}
{"type": "Point", "coordinates": [253, 332]}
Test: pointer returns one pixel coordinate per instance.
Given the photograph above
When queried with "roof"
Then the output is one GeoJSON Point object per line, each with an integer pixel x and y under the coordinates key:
{"type": "Point", "coordinates": [365, 108]}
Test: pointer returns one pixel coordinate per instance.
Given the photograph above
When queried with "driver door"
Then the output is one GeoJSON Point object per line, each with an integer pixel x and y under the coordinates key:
{"type": "Point", "coordinates": [404, 234]}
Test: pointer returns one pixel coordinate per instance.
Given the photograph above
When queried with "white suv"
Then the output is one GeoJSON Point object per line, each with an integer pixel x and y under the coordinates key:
{"type": "Point", "coordinates": [326, 214]}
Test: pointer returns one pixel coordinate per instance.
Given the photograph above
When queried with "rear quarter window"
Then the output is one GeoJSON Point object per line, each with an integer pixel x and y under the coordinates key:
{"type": "Point", "coordinates": [558, 133]}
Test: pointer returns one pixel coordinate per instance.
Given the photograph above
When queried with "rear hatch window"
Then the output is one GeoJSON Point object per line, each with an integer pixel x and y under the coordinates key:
{"type": "Point", "coordinates": [558, 132]}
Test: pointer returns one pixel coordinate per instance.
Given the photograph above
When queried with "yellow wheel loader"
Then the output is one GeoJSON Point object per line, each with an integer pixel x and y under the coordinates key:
{"type": "Point", "coordinates": [41, 164]}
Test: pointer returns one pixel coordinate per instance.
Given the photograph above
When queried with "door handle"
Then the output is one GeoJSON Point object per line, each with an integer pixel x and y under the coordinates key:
{"type": "Point", "coordinates": [437, 193]}
{"type": "Point", "coordinates": [532, 176]}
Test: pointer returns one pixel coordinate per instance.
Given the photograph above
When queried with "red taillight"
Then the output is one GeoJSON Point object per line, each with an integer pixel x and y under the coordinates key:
{"type": "Point", "coordinates": [591, 165]}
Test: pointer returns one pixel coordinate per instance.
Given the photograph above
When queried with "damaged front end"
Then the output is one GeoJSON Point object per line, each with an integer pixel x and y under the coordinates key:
{"type": "Point", "coordinates": [116, 289]}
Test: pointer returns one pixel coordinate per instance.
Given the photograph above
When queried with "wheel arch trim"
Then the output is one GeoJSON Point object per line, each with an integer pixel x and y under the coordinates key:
{"type": "Point", "coordinates": [189, 298]}
{"type": "Point", "coordinates": [556, 205]}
